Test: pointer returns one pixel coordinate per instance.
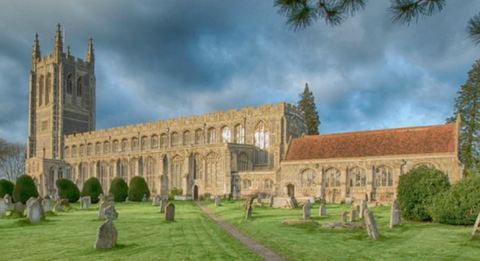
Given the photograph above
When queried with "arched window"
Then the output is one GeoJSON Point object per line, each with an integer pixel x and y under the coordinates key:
{"type": "Point", "coordinates": [332, 177]}
{"type": "Point", "coordinates": [154, 141]}
{"type": "Point", "coordinates": [48, 88]}
{"type": "Point", "coordinates": [163, 140]}
{"type": "Point", "coordinates": [239, 134]}
{"type": "Point", "coordinates": [106, 147]}
{"type": "Point", "coordinates": [82, 150]}
{"type": "Point", "coordinates": [69, 84]}
{"type": "Point", "coordinates": [124, 145]}
{"type": "Point", "coordinates": [74, 151]}
{"type": "Point", "coordinates": [198, 162]}
{"type": "Point", "coordinates": [357, 177]}
{"type": "Point", "coordinates": [211, 136]}
{"type": "Point", "coordinates": [115, 147]}
{"type": "Point", "coordinates": [268, 184]}
{"type": "Point", "coordinates": [122, 169]}
{"type": "Point", "coordinates": [41, 90]}
{"type": "Point", "coordinates": [89, 149]}
{"type": "Point", "coordinates": [211, 169]}
{"type": "Point", "coordinates": [242, 162]}
{"type": "Point", "coordinates": [383, 177]}
{"type": "Point", "coordinates": [102, 173]}
{"type": "Point", "coordinates": [98, 148]}
{"type": "Point", "coordinates": [150, 165]}
{"type": "Point", "coordinates": [187, 139]}
{"type": "Point", "coordinates": [308, 178]}
{"type": "Point", "coordinates": [83, 169]}
{"type": "Point", "coordinates": [67, 152]}
{"type": "Point", "coordinates": [134, 144]}
{"type": "Point", "coordinates": [79, 86]}
{"type": "Point", "coordinates": [226, 134]}
{"type": "Point", "coordinates": [247, 184]}
{"type": "Point", "coordinates": [174, 139]}
{"type": "Point", "coordinates": [199, 136]}
{"type": "Point", "coordinates": [177, 166]}
{"type": "Point", "coordinates": [262, 137]}
{"type": "Point", "coordinates": [144, 143]}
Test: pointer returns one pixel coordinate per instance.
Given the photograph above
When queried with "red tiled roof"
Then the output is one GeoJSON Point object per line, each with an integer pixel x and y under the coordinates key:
{"type": "Point", "coordinates": [414, 140]}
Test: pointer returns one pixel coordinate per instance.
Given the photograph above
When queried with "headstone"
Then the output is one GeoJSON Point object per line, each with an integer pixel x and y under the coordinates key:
{"type": "Point", "coordinates": [8, 199]}
{"type": "Point", "coordinates": [293, 202]}
{"type": "Point", "coordinates": [3, 207]}
{"type": "Point", "coordinates": [345, 217]}
{"type": "Point", "coordinates": [394, 215]}
{"type": "Point", "coordinates": [106, 236]}
{"type": "Point", "coordinates": [85, 202]}
{"type": "Point", "coordinates": [363, 207]}
{"type": "Point", "coordinates": [144, 198]}
{"type": "Point", "coordinates": [58, 206]}
{"type": "Point", "coordinates": [163, 204]}
{"type": "Point", "coordinates": [306, 210]}
{"type": "Point", "coordinates": [35, 211]}
{"type": "Point", "coordinates": [156, 200]}
{"type": "Point", "coordinates": [249, 207]}
{"type": "Point", "coordinates": [476, 227]}
{"type": "Point", "coordinates": [170, 212]}
{"type": "Point", "coordinates": [29, 201]}
{"type": "Point", "coordinates": [322, 210]}
{"type": "Point", "coordinates": [359, 213]}
{"type": "Point", "coordinates": [19, 208]}
{"type": "Point", "coordinates": [218, 202]}
{"type": "Point", "coordinates": [110, 213]}
{"type": "Point", "coordinates": [353, 215]}
{"type": "Point", "coordinates": [270, 203]}
{"type": "Point", "coordinates": [47, 204]}
{"type": "Point", "coordinates": [370, 224]}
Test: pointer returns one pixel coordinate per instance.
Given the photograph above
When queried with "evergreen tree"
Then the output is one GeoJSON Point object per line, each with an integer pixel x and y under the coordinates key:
{"type": "Point", "coordinates": [309, 109]}
{"type": "Point", "coordinates": [467, 107]}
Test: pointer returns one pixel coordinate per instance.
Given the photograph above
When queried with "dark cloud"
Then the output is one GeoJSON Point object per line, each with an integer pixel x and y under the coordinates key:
{"type": "Point", "coordinates": [163, 59]}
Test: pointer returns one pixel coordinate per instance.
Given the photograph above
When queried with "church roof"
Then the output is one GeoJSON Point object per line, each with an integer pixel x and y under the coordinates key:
{"type": "Point", "coordinates": [401, 141]}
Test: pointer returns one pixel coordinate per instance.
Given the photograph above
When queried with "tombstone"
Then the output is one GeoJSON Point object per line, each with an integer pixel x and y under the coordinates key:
{"type": "Point", "coordinates": [3, 207]}
{"type": "Point", "coordinates": [106, 236]}
{"type": "Point", "coordinates": [270, 203]}
{"type": "Point", "coordinates": [249, 207]}
{"type": "Point", "coordinates": [8, 199]}
{"type": "Point", "coordinates": [476, 227]}
{"type": "Point", "coordinates": [19, 208]}
{"type": "Point", "coordinates": [163, 204]}
{"type": "Point", "coordinates": [85, 202]}
{"type": "Point", "coordinates": [110, 213]}
{"type": "Point", "coordinates": [370, 224]}
{"type": "Point", "coordinates": [144, 198]}
{"type": "Point", "coordinates": [306, 210]}
{"type": "Point", "coordinates": [156, 200]}
{"type": "Point", "coordinates": [218, 202]}
{"type": "Point", "coordinates": [29, 201]}
{"type": "Point", "coordinates": [345, 217]}
{"type": "Point", "coordinates": [322, 210]}
{"type": "Point", "coordinates": [35, 211]}
{"type": "Point", "coordinates": [47, 204]}
{"type": "Point", "coordinates": [170, 212]}
{"type": "Point", "coordinates": [353, 215]}
{"type": "Point", "coordinates": [363, 207]}
{"type": "Point", "coordinates": [58, 206]}
{"type": "Point", "coordinates": [293, 202]}
{"type": "Point", "coordinates": [359, 213]}
{"type": "Point", "coordinates": [394, 215]}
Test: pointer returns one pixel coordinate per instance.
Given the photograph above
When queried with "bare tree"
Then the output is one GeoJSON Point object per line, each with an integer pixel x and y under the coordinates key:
{"type": "Point", "coordinates": [12, 160]}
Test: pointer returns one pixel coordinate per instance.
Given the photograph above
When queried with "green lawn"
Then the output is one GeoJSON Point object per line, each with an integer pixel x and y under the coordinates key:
{"type": "Point", "coordinates": [142, 235]}
{"type": "Point", "coordinates": [410, 241]}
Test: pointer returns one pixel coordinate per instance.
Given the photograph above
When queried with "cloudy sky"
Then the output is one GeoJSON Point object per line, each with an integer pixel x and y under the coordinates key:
{"type": "Point", "coordinates": [161, 59]}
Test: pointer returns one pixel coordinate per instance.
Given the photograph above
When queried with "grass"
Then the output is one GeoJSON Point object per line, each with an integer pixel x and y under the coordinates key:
{"type": "Point", "coordinates": [410, 241]}
{"type": "Point", "coordinates": [143, 234]}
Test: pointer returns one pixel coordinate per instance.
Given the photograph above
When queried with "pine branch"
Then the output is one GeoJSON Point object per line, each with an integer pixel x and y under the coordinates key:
{"type": "Point", "coordinates": [405, 11]}
{"type": "Point", "coordinates": [473, 28]}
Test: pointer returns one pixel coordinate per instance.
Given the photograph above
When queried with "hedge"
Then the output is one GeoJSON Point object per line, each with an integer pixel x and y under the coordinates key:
{"type": "Point", "coordinates": [137, 189]}
{"type": "Point", "coordinates": [119, 189]}
{"type": "Point", "coordinates": [25, 189]}
{"type": "Point", "coordinates": [67, 190]}
{"type": "Point", "coordinates": [6, 187]}
{"type": "Point", "coordinates": [92, 188]}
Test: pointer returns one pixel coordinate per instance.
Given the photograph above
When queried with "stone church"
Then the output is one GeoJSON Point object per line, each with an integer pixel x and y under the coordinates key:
{"type": "Point", "coordinates": [235, 152]}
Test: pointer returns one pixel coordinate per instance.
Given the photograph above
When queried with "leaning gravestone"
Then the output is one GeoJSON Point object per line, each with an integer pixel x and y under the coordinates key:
{"type": "Point", "coordinates": [370, 224]}
{"type": "Point", "coordinates": [322, 210]}
{"type": "Point", "coordinates": [106, 236]}
{"type": "Point", "coordinates": [170, 212]}
{"type": "Point", "coordinates": [394, 215]}
{"type": "Point", "coordinates": [3, 207]}
{"type": "Point", "coordinates": [306, 210]}
{"type": "Point", "coordinates": [476, 227]}
{"type": "Point", "coordinates": [293, 202]}
{"type": "Point", "coordinates": [249, 207]}
{"type": "Point", "coordinates": [47, 204]}
{"type": "Point", "coordinates": [218, 202]}
{"type": "Point", "coordinates": [163, 204]}
{"type": "Point", "coordinates": [85, 202]}
{"type": "Point", "coordinates": [353, 215]}
{"type": "Point", "coordinates": [156, 200]}
{"type": "Point", "coordinates": [35, 211]}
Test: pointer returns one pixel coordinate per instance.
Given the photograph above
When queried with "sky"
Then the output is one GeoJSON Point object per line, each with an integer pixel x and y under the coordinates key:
{"type": "Point", "coordinates": [162, 59]}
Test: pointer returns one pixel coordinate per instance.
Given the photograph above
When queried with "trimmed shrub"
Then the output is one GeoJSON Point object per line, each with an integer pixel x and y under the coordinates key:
{"type": "Point", "coordinates": [67, 190]}
{"type": "Point", "coordinates": [138, 187]}
{"type": "Point", "coordinates": [417, 189]}
{"type": "Point", "coordinates": [92, 188]}
{"type": "Point", "coordinates": [459, 205]}
{"type": "Point", "coordinates": [119, 189]}
{"type": "Point", "coordinates": [174, 192]}
{"type": "Point", "coordinates": [6, 187]}
{"type": "Point", "coordinates": [25, 188]}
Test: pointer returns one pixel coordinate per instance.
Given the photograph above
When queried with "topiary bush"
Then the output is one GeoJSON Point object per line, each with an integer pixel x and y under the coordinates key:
{"type": "Point", "coordinates": [119, 189]}
{"type": "Point", "coordinates": [92, 188]}
{"type": "Point", "coordinates": [459, 205]}
{"type": "Point", "coordinates": [6, 187]}
{"type": "Point", "coordinates": [417, 189]}
{"type": "Point", "coordinates": [138, 187]}
{"type": "Point", "coordinates": [24, 189]}
{"type": "Point", "coordinates": [67, 190]}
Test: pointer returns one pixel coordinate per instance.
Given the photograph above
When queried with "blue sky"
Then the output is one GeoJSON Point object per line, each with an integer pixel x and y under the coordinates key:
{"type": "Point", "coordinates": [162, 59]}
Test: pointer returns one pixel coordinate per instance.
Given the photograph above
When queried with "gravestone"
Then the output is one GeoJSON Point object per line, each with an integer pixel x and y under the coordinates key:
{"type": "Point", "coordinates": [8, 200]}
{"type": "Point", "coordinates": [353, 215]}
{"type": "Point", "coordinates": [85, 202]}
{"type": "Point", "coordinates": [322, 210]}
{"type": "Point", "coordinates": [293, 202]}
{"type": "Point", "coordinates": [35, 211]}
{"type": "Point", "coordinates": [110, 213]}
{"type": "Point", "coordinates": [3, 207]}
{"type": "Point", "coordinates": [249, 207]}
{"type": "Point", "coordinates": [163, 204]}
{"type": "Point", "coordinates": [106, 236]}
{"type": "Point", "coordinates": [363, 207]}
{"type": "Point", "coordinates": [47, 204]}
{"type": "Point", "coordinates": [476, 227]}
{"type": "Point", "coordinates": [144, 198]}
{"type": "Point", "coordinates": [19, 208]}
{"type": "Point", "coordinates": [394, 215]}
{"type": "Point", "coordinates": [156, 200]}
{"type": "Point", "coordinates": [306, 210]}
{"type": "Point", "coordinates": [58, 206]}
{"type": "Point", "coordinates": [370, 224]}
{"type": "Point", "coordinates": [170, 212]}
{"type": "Point", "coordinates": [218, 202]}
{"type": "Point", "coordinates": [345, 217]}
{"type": "Point", "coordinates": [29, 201]}
{"type": "Point", "coordinates": [359, 213]}
{"type": "Point", "coordinates": [270, 203]}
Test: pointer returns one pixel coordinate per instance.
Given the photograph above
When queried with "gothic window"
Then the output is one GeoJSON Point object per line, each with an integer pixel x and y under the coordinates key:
{"type": "Point", "coordinates": [177, 164]}
{"type": "Point", "coordinates": [115, 146]}
{"type": "Point", "coordinates": [198, 166]}
{"type": "Point", "coordinates": [199, 136]}
{"type": "Point", "coordinates": [211, 169]}
{"type": "Point", "coordinates": [163, 140]}
{"type": "Point", "coordinates": [242, 162]}
{"type": "Point", "coordinates": [239, 134]}
{"type": "Point", "coordinates": [102, 173]}
{"type": "Point", "coordinates": [187, 139]}
{"type": "Point", "coordinates": [247, 184]}
{"type": "Point", "coordinates": [69, 84]}
{"type": "Point", "coordinates": [67, 152]}
{"type": "Point", "coordinates": [48, 88]}
{"type": "Point", "coordinates": [383, 177]}
{"type": "Point", "coordinates": [74, 151]}
{"type": "Point", "coordinates": [154, 141]}
{"type": "Point", "coordinates": [83, 168]}
{"type": "Point", "coordinates": [150, 173]}
{"type": "Point", "coordinates": [144, 142]}
{"type": "Point", "coordinates": [124, 145]}
{"type": "Point", "coordinates": [226, 134]}
{"type": "Point", "coordinates": [332, 178]}
{"type": "Point", "coordinates": [106, 147]}
{"type": "Point", "coordinates": [79, 87]}
{"type": "Point", "coordinates": [89, 149]}
{"type": "Point", "coordinates": [82, 150]}
{"type": "Point", "coordinates": [268, 184]}
{"type": "Point", "coordinates": [175, 140]}
{"type": "Point", "coordinates": [122, 168]}
{"type": "Point", "coordinates": [262, 137]}
{"type": "Point", "coordinates": [358, 178]}
{"type": "Point", "coordinates": [211, 136]}
{"type": "Point", "coordinates": [98, 148]}
{"type": "Point", "coordinates": [41, 85]}
{"type": "Point", "coordinates": [134, 144]}
{"type": "Point", "coordinates": [308, 178]}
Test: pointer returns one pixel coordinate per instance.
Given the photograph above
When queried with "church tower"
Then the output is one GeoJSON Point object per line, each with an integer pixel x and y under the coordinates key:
{"type": "Point", "coordinates": [61, 97]}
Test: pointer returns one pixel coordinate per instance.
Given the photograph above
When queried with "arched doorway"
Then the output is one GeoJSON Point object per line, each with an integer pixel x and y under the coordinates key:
{"type": "Point", "coordinates": [195, 192]}
{"type": "Point", "coordinates": [291, 190]}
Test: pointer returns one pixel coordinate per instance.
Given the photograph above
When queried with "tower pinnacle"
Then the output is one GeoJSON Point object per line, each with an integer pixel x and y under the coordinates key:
{"type": "Point", "coordinates": [90, 51]}
{"type": "Point", "coordinates": [58, 40]}
{"type": "Point", "coordinates": [36, 47]}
